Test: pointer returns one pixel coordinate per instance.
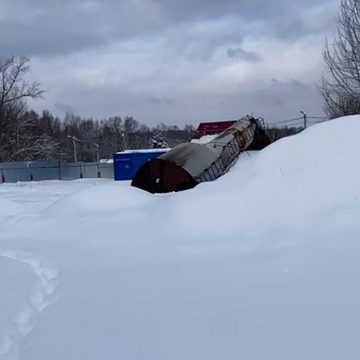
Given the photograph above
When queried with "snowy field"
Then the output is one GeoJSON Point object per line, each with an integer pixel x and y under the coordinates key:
{"type": "Point", "coordinates": [262, 264]}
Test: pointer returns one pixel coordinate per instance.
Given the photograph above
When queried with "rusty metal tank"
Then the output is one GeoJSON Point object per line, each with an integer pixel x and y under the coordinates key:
{"type": "Point", "coordinates": [188, 164]}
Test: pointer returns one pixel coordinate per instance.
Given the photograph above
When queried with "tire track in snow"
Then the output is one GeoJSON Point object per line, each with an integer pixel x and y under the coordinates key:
{"type": "Point", "coordinates": [44, 295]}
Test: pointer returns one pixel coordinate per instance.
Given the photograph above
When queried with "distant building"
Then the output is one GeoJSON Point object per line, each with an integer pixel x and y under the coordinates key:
{"type": "Point", "coordinates": [206, 131]}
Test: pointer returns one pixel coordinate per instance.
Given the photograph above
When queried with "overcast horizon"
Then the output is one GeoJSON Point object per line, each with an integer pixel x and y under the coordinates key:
{"type": "Point", "coordinates": [172, 62]}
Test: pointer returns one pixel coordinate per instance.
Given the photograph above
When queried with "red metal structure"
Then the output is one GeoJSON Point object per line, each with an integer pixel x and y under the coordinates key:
{"type": "Point", "coordinates": [212, 128]}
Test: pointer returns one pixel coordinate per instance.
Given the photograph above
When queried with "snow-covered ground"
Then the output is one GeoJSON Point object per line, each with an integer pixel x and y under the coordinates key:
{"type": "Point", "coordinates": [204, 139]}
{"type": "Point", "coordinates": [261, 264]}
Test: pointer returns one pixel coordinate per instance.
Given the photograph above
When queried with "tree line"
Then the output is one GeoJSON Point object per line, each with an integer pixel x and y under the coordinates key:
{"type": "Point", "coordinates": [47, 137]}
{"type": "Point", "coordinates": [26, 135]}
{"type": "Point", "coordinates": [31, 137]}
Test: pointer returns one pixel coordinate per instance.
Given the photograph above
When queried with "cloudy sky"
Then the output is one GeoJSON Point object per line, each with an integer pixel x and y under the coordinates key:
{"type": "Point", "coordinates": [172, 61]}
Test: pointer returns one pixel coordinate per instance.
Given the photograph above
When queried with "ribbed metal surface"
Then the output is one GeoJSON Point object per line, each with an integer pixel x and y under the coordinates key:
{"type": "Point", "coordinates": [228, 145]}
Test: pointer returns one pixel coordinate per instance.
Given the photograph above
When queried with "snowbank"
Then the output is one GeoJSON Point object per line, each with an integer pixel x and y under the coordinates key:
{"type": "Point", "coordinates": [261, 264]}
{"type": "Point", "coordinates": [99, 199]}
{"type": "Point", "coordinates": [302, 179]}
{"type": "Point", "coordinates": [306, 178]}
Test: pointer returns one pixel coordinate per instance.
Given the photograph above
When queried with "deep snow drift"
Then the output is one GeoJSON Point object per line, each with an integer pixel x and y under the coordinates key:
{"type": "Point", "coordinates": [261, 264]}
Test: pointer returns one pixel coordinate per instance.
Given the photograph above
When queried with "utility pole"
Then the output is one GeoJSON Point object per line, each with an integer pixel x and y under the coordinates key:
{"type": "Point", "coordinates": [74, 139]}
{"type": "Point", "coordinates": [97, 153]}
{"type": "Point", "coordinates": [123, 134]}
{"type": "Point", "coordinates": [305, 119]}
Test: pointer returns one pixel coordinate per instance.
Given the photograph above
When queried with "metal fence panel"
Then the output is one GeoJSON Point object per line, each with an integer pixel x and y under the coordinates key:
{"type": "Point", "coordinates": [106, 171]}
{"type": "Point", "coordinates": [41, 170]}
{"type": "Point", "coordinates": [15, 171]}
{"type": "Point", "coordinates": [89, 170]}
{"type": "Point", "coordinates": [53, 170]}
{"type": "Point", "coordinates": [70, 171]}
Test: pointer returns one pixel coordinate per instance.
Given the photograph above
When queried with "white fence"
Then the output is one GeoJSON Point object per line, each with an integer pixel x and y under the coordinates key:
{"type": "Point", "coordinates": [53, 170]}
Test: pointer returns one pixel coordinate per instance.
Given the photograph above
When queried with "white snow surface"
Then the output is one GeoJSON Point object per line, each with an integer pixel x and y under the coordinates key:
{"type": "Point", "coordinates": [135, 151]}
{"type": "Point", "coordinates": [262, 264]}
{"type": "Point", "coordinates": [9, 207]}
{"type": "Point", "coordinates": [204, 139]}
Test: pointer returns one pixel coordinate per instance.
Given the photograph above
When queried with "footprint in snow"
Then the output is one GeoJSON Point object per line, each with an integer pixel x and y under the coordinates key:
{"type": "Point", "coordinates": [43, 296]}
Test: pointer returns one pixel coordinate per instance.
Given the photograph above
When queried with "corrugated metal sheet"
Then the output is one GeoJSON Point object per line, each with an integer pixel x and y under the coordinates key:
{"type": "Point", "coordinates": [52, 170]}
{"type": "Point", "coordinates": [212, 128]}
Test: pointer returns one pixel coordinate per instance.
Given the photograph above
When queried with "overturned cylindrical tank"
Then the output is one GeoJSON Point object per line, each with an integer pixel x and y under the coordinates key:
{"type": "Point", "coordinates": [188, 164]}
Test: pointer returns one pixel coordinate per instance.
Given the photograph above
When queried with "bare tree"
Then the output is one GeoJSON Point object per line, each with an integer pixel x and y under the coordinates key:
{"type": "Point", "coordinates": [340, 87]}
{"type": "Point", "coordinates": [13, 85]}
{"type": "Point", "coordinates": [14, 92]}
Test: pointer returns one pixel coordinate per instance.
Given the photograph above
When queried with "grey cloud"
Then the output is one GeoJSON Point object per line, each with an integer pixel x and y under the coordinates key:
{"type": "Point", "coordinates": [293, 83]}
{"type": "Point", "coordinates": [296, 21]}
{"type": "Point", "coordinates": [199, 41]}
{"type": "Point", "coordinates": [188, 9]}
{"type": "Point", "coordinates": [160, 100]}
{"type": "Point", "coordinates": [40, 27]}
{"type": "Point", "coordinates": [240, 53]}
{"type": "Point", "coordinates": [66, 109]}
{"type": "Point", "coordinates": [276, 102]}
{"type": "Point", "coordinates": [284, 100]}
{"type": "Point", "coordinates": [43, 27]}
{"type": "Point", "coordinates": [178, 41]}
{"type": "Point", "coordinates": [299, 84]}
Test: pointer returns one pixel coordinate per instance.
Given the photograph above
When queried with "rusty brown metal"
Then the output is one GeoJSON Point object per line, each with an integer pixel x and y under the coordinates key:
{"type": "Point", "coordinates": [162, 176]}
{"type": "Point", "coordinates": [261, 140]}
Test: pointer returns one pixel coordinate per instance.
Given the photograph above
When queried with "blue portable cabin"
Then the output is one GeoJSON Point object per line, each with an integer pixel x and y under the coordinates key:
{"type": "Point", "coordinates": [128, 162]}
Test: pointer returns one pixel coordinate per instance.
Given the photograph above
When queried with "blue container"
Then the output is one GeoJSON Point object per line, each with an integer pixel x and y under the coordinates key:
{"type": "Point", "coordinates": [127, 163]}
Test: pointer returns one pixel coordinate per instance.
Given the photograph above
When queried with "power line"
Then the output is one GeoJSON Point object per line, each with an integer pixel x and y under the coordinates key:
{"type": "Point", "coordinates": [291, 121]}
{"type": "Point", "coordinates": [318, 117]}
{"type": "Point", "coordinates": [317, 121]}
{"type": "Point", "coordinates": [287, 121]}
